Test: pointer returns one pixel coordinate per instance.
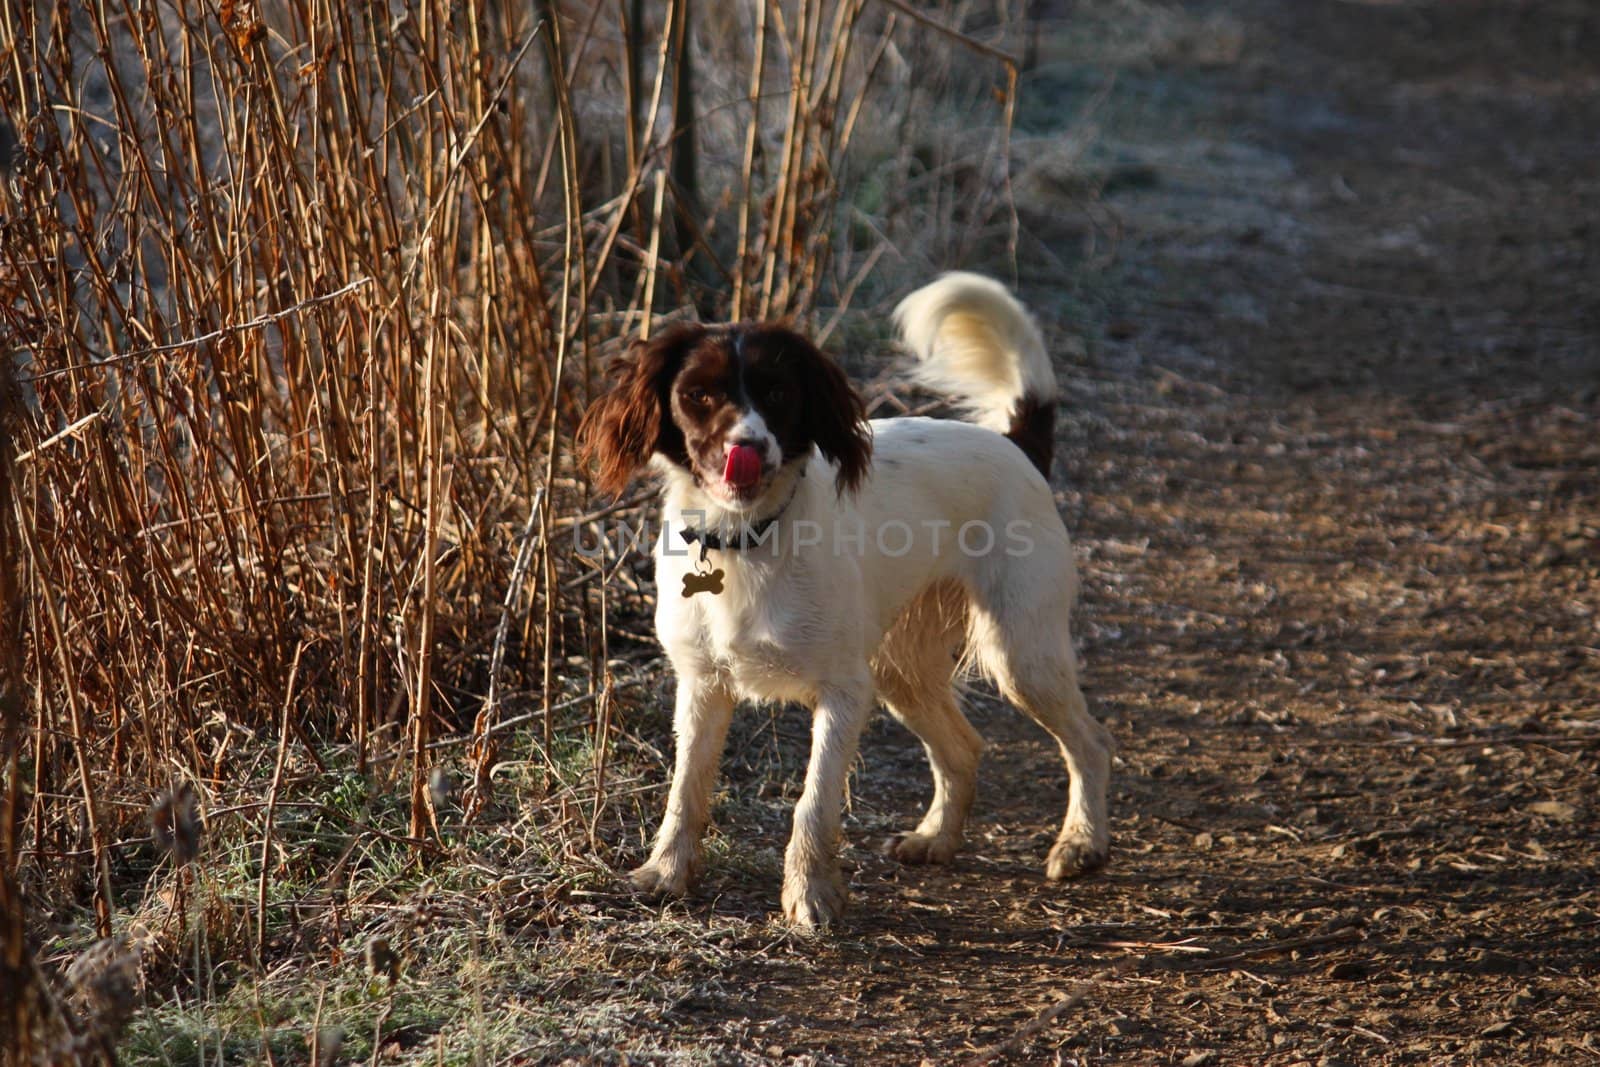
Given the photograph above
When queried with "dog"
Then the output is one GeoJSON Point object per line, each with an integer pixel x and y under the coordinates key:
{"type": "Point", "coordinates": [858, 562]}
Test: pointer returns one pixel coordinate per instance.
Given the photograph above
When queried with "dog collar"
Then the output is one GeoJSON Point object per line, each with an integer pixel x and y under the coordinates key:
{"type": "Point", "coordinates": [750, 534]}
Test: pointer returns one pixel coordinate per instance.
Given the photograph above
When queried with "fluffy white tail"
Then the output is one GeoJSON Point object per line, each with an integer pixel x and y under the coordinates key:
{"type": "Point", "coordinates": [978, 346]}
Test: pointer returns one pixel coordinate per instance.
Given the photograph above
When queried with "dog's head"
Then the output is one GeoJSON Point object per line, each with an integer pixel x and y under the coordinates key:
{"type": "Point", "coordinates": [731, 406]}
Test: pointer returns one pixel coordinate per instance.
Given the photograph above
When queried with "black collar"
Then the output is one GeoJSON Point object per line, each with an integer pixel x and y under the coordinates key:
{"type": "Point", "coordinates": [749, 535]}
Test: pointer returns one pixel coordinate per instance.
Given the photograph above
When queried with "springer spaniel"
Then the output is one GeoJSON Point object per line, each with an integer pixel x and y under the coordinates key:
{"type": "Point", "coordinates": [837, 562]}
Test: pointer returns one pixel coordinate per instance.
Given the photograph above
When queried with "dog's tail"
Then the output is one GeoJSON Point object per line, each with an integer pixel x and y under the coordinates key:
{"type": "Point", "coordinates": [978, 346]}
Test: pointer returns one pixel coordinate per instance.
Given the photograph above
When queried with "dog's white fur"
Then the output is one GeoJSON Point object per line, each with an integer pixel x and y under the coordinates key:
{"type": "Point", "coordinates": [838, 625]}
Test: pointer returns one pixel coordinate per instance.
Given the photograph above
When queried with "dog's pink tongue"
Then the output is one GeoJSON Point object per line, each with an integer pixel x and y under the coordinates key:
{"type": "Point", "coordinates": [744, 467]}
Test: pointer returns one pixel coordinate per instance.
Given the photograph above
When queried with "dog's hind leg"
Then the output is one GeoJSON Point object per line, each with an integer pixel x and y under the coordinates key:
{"type": "Point", "coordinates": [1030, 658]}
{"type": "Point", "coordinates": [953, 748]}
{"type": "Point", "coordinates": [912, 671]}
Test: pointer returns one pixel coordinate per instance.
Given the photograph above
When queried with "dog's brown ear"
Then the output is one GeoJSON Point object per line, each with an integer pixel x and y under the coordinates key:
{"type": "Point", "coordinates": [623, 427]}
{"type": "Point", "coordinates": [834, 416]}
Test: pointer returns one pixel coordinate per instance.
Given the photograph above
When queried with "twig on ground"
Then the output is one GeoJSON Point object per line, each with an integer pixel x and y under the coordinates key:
{"type": "Point", "coordinates": [1051, 1014]}
{"type": "Point", "coordinates": [1343, 928]}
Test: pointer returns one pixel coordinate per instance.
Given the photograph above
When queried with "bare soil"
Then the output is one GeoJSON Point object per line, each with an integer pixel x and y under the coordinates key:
{"type": "Point", "coordinates": [1332, 458]}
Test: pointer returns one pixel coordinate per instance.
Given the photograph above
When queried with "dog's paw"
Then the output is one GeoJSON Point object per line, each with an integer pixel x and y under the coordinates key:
{"type": "Point", "coordinates": [1075, 856]}
{"type": "Point", "coordinates": [916, 849]}
{"type": "Point", "coordinates": [662, 878]}
{"type": "Point", "coordinates": [815, 901]}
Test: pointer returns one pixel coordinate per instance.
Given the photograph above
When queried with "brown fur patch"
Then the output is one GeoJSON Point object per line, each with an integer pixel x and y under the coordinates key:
{"type": "Point", "coordinates": [1033, 424]}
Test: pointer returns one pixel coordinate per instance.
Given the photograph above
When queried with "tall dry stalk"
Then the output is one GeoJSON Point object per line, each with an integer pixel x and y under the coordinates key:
{"type": "Point", "coordinates": [28, 1005]}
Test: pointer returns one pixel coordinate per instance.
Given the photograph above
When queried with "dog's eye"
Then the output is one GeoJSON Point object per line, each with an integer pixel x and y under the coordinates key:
{"type": "Point", "coordinates": [696, 396]}
{"type": "Point", "coordinates": [777, 395]}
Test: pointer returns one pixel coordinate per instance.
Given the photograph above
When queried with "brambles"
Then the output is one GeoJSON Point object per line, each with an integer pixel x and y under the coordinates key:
{"type": "Point", "coordinates": [303, 300]}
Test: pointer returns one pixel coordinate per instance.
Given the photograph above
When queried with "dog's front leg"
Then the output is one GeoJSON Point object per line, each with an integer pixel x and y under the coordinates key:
{"type": "Point", "coordinates": [813, 889]}
{"type": "Point", "coordinates": [700, 722]}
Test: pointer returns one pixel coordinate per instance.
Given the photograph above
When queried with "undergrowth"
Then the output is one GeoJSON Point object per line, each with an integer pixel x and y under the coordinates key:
{"type": "Point", "coordinates": [300, 302]}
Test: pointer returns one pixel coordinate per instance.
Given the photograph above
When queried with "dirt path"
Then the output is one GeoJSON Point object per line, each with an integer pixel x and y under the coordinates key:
{"type": "Point", "coordinates": [1333, 469]}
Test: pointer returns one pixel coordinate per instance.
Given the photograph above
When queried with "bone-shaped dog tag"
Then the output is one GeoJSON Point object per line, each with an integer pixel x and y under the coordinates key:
{"type": "Point", "coordinates": [699, 582]}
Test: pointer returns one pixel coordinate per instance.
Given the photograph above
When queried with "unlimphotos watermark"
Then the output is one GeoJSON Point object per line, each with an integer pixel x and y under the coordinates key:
{"type": "Point", "coordinates": [893, 538]}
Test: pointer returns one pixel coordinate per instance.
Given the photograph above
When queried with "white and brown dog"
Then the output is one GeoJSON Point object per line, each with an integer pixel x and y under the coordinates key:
{"type": "Point", "coordinates": [837, 562]}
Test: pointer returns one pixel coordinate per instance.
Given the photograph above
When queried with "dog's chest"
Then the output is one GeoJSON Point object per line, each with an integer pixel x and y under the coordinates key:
{"type": "Point", "coordinates": [769, 645]}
